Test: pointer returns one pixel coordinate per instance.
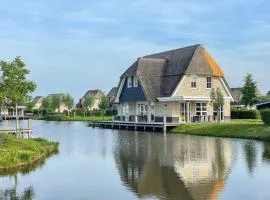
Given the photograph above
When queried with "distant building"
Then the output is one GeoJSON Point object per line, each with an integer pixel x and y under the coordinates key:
{"type": "Point", "coordinates": [10, 112]}
{"type": "Point", "coordinates": [268, 93]}
{"type": "Point", "coordinates": [96, 94]}
{"type": "Point", "coordinates": [111, 96]}
{"type": "Point", "coordinates": [37, 102]}
{"type": "Point", "coordinates": [238, 95]}
{"type": "Point", "coordinates": [63, 107]}
{"type": "Point", "coordinates": [264, 105]}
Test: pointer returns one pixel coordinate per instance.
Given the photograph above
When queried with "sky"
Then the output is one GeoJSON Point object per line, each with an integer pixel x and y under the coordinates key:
{"type": "Point", "coordinates": [72, 46]}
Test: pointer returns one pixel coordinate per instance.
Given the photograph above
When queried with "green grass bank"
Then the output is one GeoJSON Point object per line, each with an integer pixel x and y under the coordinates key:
{"type": "Point", "coordinates": [18, 153]}
{"type": "Point", "coordinates": [246, 129]}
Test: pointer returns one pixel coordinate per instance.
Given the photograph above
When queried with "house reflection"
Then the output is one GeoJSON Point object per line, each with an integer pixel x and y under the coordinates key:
{"type": "Point", "coordinates": [173, 166]}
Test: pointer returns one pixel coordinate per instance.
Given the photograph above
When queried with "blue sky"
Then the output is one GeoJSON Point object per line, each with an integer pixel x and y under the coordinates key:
{"type": "Point", "coordinates": [71, 46]}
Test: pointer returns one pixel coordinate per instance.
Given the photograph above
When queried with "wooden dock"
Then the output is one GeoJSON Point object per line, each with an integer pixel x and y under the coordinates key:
{"type": "Point", "coordinates": [19, 131]}
{"type": "Point", "coordinates": [139, 126]}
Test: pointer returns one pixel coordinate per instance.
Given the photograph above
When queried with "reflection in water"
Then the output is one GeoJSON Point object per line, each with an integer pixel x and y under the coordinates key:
{"type": "Point", "coordinates": [250, 154]}
{"type": "Point", "coordinates": [11, 194]}
{"type": "Point", "coordinates": [266, 152]}
{"type": "Point", "coordinates": [173, 167]}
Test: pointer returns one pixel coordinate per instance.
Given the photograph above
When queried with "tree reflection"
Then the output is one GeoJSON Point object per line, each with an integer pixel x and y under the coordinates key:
{"type": "Point", "coordinates": [173, 167]}
{"type": "Point", "coordinates": [266, 152]}
{"type": "Point", "coordinates": [250, 154]}
{"type": "Point", "coordinates": [11, 194]}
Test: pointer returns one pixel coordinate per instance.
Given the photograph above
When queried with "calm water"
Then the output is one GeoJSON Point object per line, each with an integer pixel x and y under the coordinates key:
{"type": "Point", "coordinates": [112, 164]}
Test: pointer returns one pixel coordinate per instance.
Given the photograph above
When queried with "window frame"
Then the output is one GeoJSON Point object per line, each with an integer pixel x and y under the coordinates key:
{"type": "Point", "coordinates": [129, 82]}
{"type": "Point", "coordinates": [194, 82]}
{"type": "Point", "coordinates": [135, 81]}
{"type": "Point", "coordinates": [211, 82]}
{"type": "Point", "coordinates": [201, 108]}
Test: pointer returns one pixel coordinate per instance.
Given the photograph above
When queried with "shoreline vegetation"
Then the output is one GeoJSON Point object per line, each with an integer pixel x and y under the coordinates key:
{"type": "Point", "coordinates": [243, 129]}
{"type": "Point", "coordinates": [17, 154]}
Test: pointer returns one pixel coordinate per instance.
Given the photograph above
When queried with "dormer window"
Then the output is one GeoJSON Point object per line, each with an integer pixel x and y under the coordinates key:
{"type": "Point", "coordinates": [135, 81]}
{"type": "Point", "coordinates": [209, 82]}
{"type": "Point", "coordinates": [129, 82]}
{"type": "Point", "coordinates": [194, 82]}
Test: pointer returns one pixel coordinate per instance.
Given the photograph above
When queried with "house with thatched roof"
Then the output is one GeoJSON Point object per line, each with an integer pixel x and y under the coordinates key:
{"type": "Point", "coordinates": [111, 96]}
{"type": "Point", "coordinates": [174, 84]}
{"type": "Point", "coordinates": [37, 102]}
{"type": "Point", "coordinates": [96, 94]}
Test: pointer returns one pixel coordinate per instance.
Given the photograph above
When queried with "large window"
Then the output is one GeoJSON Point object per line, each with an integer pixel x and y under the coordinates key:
{"type": "Point", "coordinates": [194, 82]}
{"type": "Point", "coordinates": [135, 81]}
{"type": "Point", "coordinates": [209, 82]}
{"type": "Point", "coordinates": [201, 109]}
{"type": "Point", "coordinates": [129, 82]}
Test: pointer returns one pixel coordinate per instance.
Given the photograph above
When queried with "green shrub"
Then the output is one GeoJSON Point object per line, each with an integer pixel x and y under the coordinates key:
{"type": "Point", "coordinates": [54, 116]}
{"type": "Point", "coordinates": [245, 114]}
{"type": "Point", "coordinates": [265, 115]}
{"type": "Point", "coordinates": [79, 112]}
{"type": "Point", "coordinates": [111, 112]}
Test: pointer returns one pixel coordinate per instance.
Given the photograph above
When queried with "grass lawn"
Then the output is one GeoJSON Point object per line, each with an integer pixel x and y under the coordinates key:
{"type": "Point", "coordinates": [79, 118]}
{"type": "Point", "coordinates": [246, 129]}
{"type": "Point", "coordinates": [20, 153]}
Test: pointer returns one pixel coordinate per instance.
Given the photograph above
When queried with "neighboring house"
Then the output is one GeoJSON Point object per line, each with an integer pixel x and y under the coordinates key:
{"type": "Point", "coordinates": [268, 93]}
{"type": "Point", "coordinates": [96, 94]}
{"type": "Point", "coordinates": [63, 107]}
{"type": "Point", "coordinates": [264, 105]}
{"type": "Point", "coordinates": [37, 102]}
{"type": "Point", "coordinates": [10, 112]}
{"type": "Point", "coordinates": [175, 84]}
{"type": "Point", "coordinates": [111, 96]}
{"type": "Point", "coordinates": [237, 95]}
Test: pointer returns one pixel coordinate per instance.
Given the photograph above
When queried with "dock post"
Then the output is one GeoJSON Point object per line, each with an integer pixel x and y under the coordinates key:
{"type": "Point", "coordinates": [136, 121]}
{"type": "Point", "coordinates": [29, 126]}
{"type": "Point", "coordinates": [164, 124]}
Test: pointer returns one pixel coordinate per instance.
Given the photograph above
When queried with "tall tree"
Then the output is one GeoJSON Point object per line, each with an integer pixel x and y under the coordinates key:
{"type": "Point", "coordinates": [69, 102]}
{"type": "Point", "coordinates": [47, 103]}
{"type": "Point", "coordinates": [103, 105]}
{"type": "Point", "coordinates": [217, 101]}
{"type": "Point", "coordinates": [57, 100]}
{"type": "Point", "coordinates": [15, 86]}
{"type": "Point", "coordinates": [88, 103]}
{"type": "Point", "coordinates": [249, 91]}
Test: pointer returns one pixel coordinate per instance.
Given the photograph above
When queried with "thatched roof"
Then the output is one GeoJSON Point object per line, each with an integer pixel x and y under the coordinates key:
{"type": "Point", "coordinates": [37, 99]}
{"type": "Point", "coordinates": [159, 74]}
{"type": "Point", "coordinates": [112, 93]}
{"type": "Point", "coordinates": [95, 93]}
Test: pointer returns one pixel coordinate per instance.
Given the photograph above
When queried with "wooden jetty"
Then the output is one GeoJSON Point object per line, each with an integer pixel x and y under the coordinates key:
{"type": "Point", "coordinates": [137, 126]}
{"type": "Point", "coordinates": [19, 131]}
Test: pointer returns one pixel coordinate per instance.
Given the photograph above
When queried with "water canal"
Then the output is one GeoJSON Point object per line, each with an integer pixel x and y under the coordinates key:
{"type": "Point", "coordinates": [113, 164]}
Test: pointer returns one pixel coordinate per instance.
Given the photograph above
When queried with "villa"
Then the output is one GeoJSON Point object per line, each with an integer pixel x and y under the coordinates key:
{"type": "Point", "coordinates": [173, 85]}
{"type": "Point", "coordinates": [96, 94]}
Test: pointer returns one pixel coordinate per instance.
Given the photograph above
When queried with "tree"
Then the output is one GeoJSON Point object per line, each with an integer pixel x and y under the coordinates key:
{"type": "Point", "coordinates": [249, 91]}
{"type": "Point", "coordinates": [88, 102]}
{"type": "Point", "coordinates": [103, 105]}
{"type": "Point", "coordinates": [15, 87]}
{"type": "Point", "coordinates": [69, 102]}
{"type": "Point", "coordinates": [47, 103]}
{"type": "Point", "coordinates": [57, 100]}
{"type": "Point", "coordinates": [217, 101]}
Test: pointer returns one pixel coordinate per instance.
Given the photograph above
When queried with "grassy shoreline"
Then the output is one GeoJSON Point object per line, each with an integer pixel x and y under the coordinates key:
{"type": "Point", "coordinates": [245, 129]}
{"type": "Point", "coordinates": [19, 153]}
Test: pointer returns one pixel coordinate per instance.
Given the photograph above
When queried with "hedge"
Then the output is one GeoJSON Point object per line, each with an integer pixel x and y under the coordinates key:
{"type": "Point", "coordinates": [54, 116]}
{"type": "Point", "coordinates": [245, 114]}
{"type": "Point", "coordinates": [265, 115]}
